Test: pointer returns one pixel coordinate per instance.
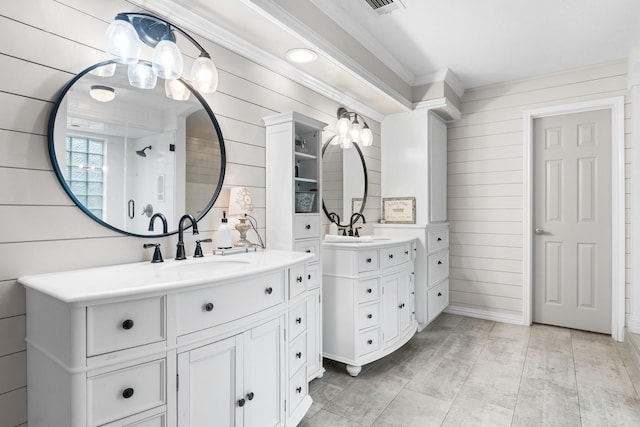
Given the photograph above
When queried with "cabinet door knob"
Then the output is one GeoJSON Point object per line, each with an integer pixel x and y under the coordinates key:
{"type": "Point", "coordinates": [250, 396]}
{"type": "Point", "coordinates": [369, 316]}
{"type": "Point", "coordinates": [208, 306]}
{"type": "Point", "coordinates": [369, 260]}
{"type": "Point", "coordinates": [439, 262]}
{"type": "Point", "coordinates": [308, 226]}
{"type": "Point", "coordinates": [308, 277]}
{"type": "Point", "coordinates": [298, 390]}
{"type": "Point", "coordinates": [439, 239]}
{"type": "Point", "coordinates": [299, 355]}
{"type": "Point", "coordinates": [127, 324]}
{"type": "Point", "coordinates": [299, 320]}
{"type": "Point", "coordinates": [439, 294]}
{"type": "Point", "coordinates": [268, 291]}
{"type": "Point", "coordinates": [406, 252]}
{"type": "Point", "coordinates": [390, 256]}
{"type": "Point", "coordinates": [308, 251]}
{"type": "Point", "coordinates": [369, 342]}
{"type": "Point", "coordinates": [369, 290]}
{"type": "Point", "coordinates": [241, 403]}
{"type": "Point", "coordinates": [127, 393]}
{"type": "Point", "coordinates": [401, 305]}
{"type": "Point", "coordinates": [299, 279]}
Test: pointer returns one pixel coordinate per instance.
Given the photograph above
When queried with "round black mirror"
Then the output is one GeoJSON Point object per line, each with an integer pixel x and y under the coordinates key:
{"type": "Point", "coordinates": [124, 154]}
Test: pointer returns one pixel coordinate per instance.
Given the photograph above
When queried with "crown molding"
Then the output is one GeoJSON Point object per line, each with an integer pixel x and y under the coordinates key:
{"type": "Point", "coordinates": [444, 108]}
{"type": "Point", "coordinates": [446, 75]}
{"type": "Point", "coordinates": [187, 19]}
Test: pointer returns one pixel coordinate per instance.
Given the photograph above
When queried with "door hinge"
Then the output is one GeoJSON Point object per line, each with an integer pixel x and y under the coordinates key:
{"type": "Point", "coordinates": [177, 382]}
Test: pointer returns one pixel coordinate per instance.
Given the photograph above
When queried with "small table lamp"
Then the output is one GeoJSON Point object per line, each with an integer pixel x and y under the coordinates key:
{"type": "Point", "coordinates": [240, 205]}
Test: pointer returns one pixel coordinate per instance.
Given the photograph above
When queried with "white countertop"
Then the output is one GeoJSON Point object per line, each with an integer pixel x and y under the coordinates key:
{"type": "Point", "coordinates": [126, 280]}
{"type": "Point", "coordinates": [377, 242]}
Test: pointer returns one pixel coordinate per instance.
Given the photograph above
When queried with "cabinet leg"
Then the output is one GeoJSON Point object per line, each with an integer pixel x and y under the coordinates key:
{"type": "Point", "coordinates": [354, 370]}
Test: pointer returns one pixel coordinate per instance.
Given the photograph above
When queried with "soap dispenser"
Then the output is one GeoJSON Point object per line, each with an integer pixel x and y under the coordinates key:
{"type": "Point", "coordinates": [224, 233]}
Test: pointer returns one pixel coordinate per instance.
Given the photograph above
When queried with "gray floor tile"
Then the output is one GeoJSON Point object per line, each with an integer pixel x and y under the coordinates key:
{"type": "Point", "coordinates": [543, 403]}
{"type": "Point", "coordinates": [412, 409]}
{"type": "Point", "coordinates": [477, 413]}
{"type": "Point", "coordinates": [555, 367]}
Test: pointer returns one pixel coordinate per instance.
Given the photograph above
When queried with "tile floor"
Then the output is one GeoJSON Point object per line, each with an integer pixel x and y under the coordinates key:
{"type": "Point", "coordinates": [469, 372]}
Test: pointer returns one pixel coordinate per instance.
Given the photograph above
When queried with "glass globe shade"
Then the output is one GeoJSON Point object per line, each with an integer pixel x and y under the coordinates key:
{"type": "Point", "coordinates": [345, 142]}
{"type": "Point", "coordinates": [142, 76]}
{"type": "Point", "coordinates": [354, 132]}
{"type": "Point", "coordinates": [175, 89]}
{"type": "Point", "coordinates": [342, 127]}
{"type": "Point", "coordinates": [167, 60]}
{"type": "Point", "coordinates": [204, 75]}
{"type": "Point", "coordinates": [121, 41]}
{"type": "Point", "coordinates": [366, 137]}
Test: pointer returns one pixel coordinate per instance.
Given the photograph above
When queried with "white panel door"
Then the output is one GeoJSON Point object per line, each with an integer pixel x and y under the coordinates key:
{"type": "Point", "coordinates": [572, 221]}
{"type": "Point", "coordinates": [390, 303]}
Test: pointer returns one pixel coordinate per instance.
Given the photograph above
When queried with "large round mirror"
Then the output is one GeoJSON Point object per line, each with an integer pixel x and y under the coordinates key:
{"type": "Point", "coordinates": [344, 182]}
{"type": "Point", "coordinates": [124, 153]}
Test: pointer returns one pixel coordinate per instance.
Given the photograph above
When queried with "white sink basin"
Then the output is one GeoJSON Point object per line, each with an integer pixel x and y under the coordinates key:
{"type": "Point", "coordinates": [206, 265]}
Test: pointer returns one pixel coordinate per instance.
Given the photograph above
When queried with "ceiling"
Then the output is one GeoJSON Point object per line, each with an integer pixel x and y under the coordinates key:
{"type": "Point", "coordinates": [371, 62]}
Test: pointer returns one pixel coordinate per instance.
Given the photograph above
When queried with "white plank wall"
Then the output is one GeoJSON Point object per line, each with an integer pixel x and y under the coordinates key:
{"type": "Point", "coordinates": [44, 43]}
{"type": "Point", "coordinates": [485, 183]}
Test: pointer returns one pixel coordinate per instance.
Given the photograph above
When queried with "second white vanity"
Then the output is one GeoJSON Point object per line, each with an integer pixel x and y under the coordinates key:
{"type": "Point", "coordinates": [209, 341]}
{"type": "Point", "coordinates": [368, 304]}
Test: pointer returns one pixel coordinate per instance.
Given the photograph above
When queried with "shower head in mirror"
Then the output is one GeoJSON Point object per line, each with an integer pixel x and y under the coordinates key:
{"type": "Point", "coordinates": [142, 153]}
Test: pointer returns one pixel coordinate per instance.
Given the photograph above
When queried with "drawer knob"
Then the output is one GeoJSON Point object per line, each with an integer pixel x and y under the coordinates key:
{"type": "Point", "coordinates": [369, 290]}
{"type": "Point", "coordinates": [299, 320]}
{"type": "Point", "coordinates": [250, 396]}
{"type": "Point", "coordinates": [369, 342]}
{"type": "Point", "coordinates": [241, 402]}
{"type": "Point", "coordinates": [268, 291]}
{"type": "Point", "coordinates": [369, 316]}
{"type": "Point", "coordinates": [299, 355]}
{"type": "Point", "coordinates": [299, 279]}
{"type": "Point", "coordinates": [406, 252]}
{"type": "Point", "coordinates": [208, 307]}
{"type": "Point", "coordinates": [308, 277]}
{"type": "Point", "coordinates": [369, 260]}
{"type": "Point", "coordinates": [439, 294]}
{"type": "Point", "coordinates": [127, 393]}
{"type": "Point", "coordinates": [127, 324]}
{"type": "Point", "coordinates": [390, 256]}
{"type": "Point", "coordinates": [439, 262]}
{"type": "Point", "coordinates": [439, 239]}
{"type": "Point", "coordinates": [308, 226]}
{"type": "Point", "coordinates": [308, 251]}
{"type": "Point", "coordinates": [298, 390]}
{"type": "Point", "coordinates": [401, 305]}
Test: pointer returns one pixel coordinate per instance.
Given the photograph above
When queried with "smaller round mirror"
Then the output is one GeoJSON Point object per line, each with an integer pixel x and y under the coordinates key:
{"type": "Point", "coordinates": [344, 182]}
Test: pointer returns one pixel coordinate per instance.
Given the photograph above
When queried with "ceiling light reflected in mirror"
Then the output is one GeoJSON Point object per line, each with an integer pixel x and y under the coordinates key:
{"type": "Point", "coordinates": [301, 56]}
{"type": "Point", "coordinates": [102, 93]}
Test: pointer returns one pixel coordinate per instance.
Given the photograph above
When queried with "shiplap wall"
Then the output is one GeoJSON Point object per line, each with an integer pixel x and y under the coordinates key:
{"type": "Point", "coordinates": [485, 182]}
{"type": "Point", "coordinates": [43, 44]}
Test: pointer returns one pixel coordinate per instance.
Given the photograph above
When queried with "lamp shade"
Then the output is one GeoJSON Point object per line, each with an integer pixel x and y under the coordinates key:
{"type": "Point", "coordinates": [141, 76]}
{"type": "Point", "coordinates": [167, 60]}
{"type": "Point", "coordinates": [342, 127]}
{"type": "Point", "coordinates": [240, 202]}
{"type": "Point", "coordinates": [366, 136]}
{"type": "Point", "coordinates": [121, 40]}
{"type": "Point", "coordinates": [175, 89]}
{"type": "Point", "coordinates": [204, 75]}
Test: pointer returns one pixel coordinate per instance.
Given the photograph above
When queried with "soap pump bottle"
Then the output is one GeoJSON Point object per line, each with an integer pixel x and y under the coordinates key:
{"type": "Point", "coordinates": [224, 233]}
{"type": "Point", "coordinates": [333, 229]}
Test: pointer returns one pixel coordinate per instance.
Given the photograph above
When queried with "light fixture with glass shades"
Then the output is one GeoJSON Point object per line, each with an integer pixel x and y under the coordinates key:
{"type": "Point", "coordinates": [349, 130]}
{"type": "Point", "coordinates": [123, 39]}
{"type": "Point", "coordinates": [240, 205]}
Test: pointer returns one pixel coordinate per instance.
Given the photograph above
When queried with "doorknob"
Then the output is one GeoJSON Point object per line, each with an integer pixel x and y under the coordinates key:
{"type": "Point", "coordinates": [539, 230]}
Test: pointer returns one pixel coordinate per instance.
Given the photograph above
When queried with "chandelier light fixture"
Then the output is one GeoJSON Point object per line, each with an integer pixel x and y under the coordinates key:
{"type": "Point", "coordinates": [124, 38]}
{"type": "Point", "coordinates": [349, 130]}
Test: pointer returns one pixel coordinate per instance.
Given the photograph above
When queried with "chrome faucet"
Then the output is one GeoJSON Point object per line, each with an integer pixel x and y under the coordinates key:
{"type": "Point", "coordinates": [180, 250]}
{"type": "Point", "coordinates": [354, 218]}
{"type": "Point", "coordinates": [165, 228]}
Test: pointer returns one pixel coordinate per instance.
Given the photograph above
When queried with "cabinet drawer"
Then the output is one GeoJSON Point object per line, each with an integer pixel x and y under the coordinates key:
{"type": "Point", "coordinates": [297, 320]}
{"type": "Point", "coordinates": [395, 255]}
{"type": "Point", "coordinates": [125, 392]}
{"type": "Point", "coordinates": [368, 341]}
{"type": "Point", "coordinates": [368, 315]}
{"type": "Point", "coordinates": [297, 389]}
{"type": "Point", "coordinates": [297, 354]}
{"type": "Point", "coordinates": [437, 299]}
{"type": "Point", "coordinates": [309, 246]}
{"type": "Point", "coordinates": [213, 306]}
{"type": "Point", "coordinates": [367, 260]}
{"type": "Point", "coordinates": [313, 276]}
{"type": "Point", "coordinates": [437, 239]}
{"type": "Point", "coordinates": [368, 290]}
{"type": "Point", "coordinates": [297, 280]}
{"type": "Point", "coordinates": [437, 267]}
{"type": "Point", "coordinates": [306, 226]}
{"type": "Point", "coordinates": [112, 327]}
{"type": "Point", "coordinates": [142, 420]}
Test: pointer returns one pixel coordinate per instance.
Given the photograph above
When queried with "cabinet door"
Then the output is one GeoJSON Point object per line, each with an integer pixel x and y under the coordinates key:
{"type": "Point", "coordinates": [405, 298]}
{"type": "Point", "coordinates": [264, 375]}
{"type": "Point", "coordinates": [314, 334]}
{"type": "Point", "coordinates": [390, 303]}
{"type": "Point", "coordinates": [207, 392]}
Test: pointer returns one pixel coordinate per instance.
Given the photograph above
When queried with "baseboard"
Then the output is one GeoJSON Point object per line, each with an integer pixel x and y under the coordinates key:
{"type": "Point", "coordinates": [631, 357]}
{"type": "Point", "coordinates": [485, 314]}
{"type": "Point", "coordinates": [633, 325]}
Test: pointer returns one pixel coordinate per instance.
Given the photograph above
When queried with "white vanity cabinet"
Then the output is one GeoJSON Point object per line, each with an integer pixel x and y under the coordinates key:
{"type": "Point", "coordinates": [186, 343]}
{"type": "Point", "coordinates": [368, 307]}
{"type": "Point", "coordinates": [294, 170]}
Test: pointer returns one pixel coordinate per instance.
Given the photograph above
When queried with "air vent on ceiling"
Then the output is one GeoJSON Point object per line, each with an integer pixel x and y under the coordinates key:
{"type": "Point", "coordinates": [383, 7]}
